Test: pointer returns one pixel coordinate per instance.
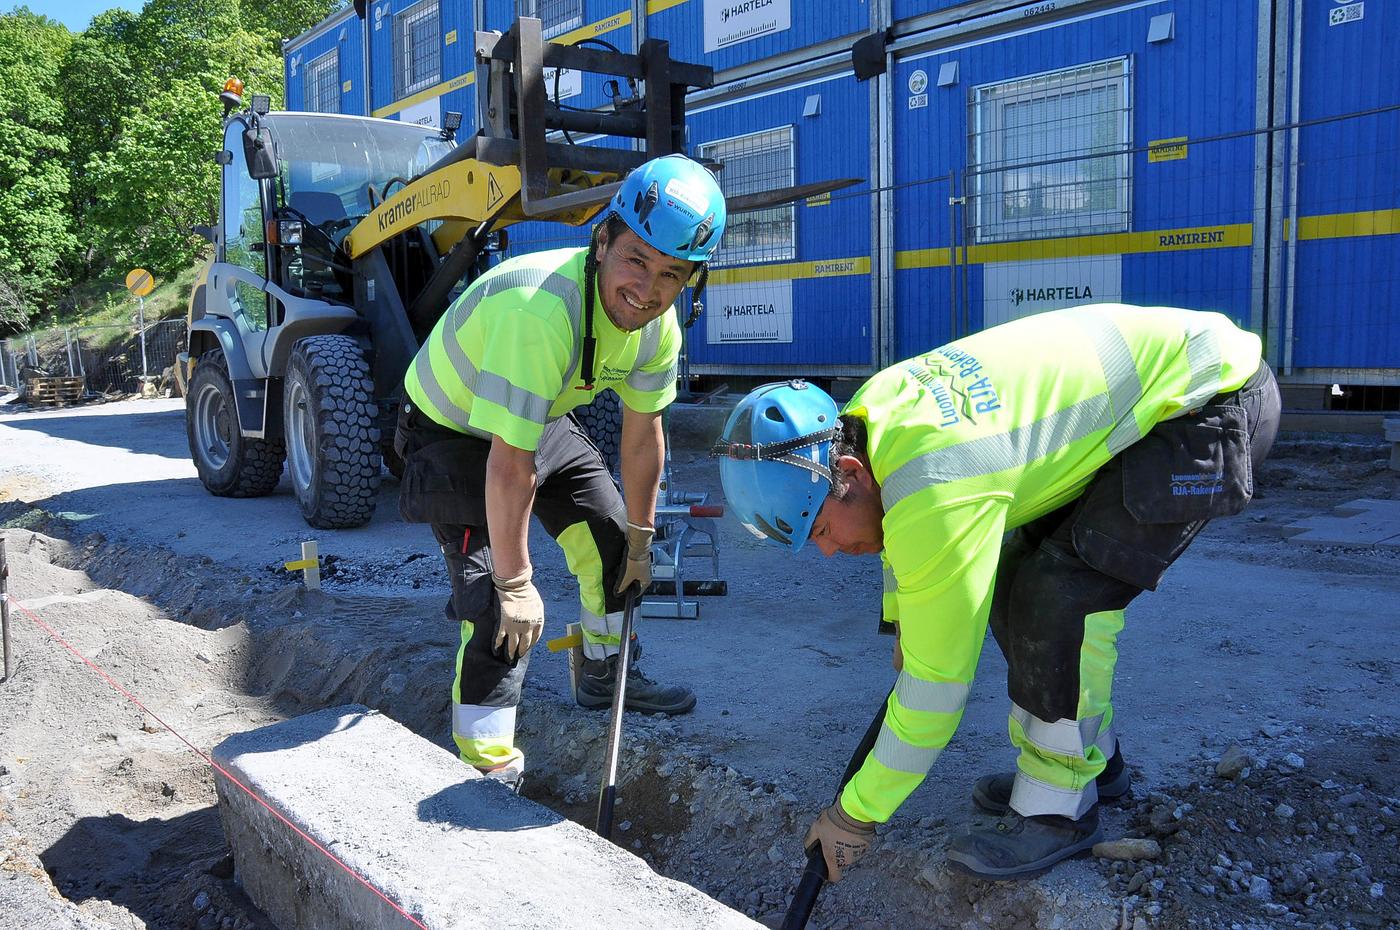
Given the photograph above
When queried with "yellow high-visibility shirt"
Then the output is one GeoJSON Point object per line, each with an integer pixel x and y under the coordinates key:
{"type": "Point", "coordinates": [505, 358]}
{"type": "Point", "coordinates": [987, 433]}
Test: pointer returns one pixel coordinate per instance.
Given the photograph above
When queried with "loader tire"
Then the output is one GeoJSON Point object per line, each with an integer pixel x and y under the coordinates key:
{"type": "Point", "coordinates": [329, 413]}
{"type": "Point", "coordinates": [229, 464]}
{"type": "Point", "coordinates": [602, 421]}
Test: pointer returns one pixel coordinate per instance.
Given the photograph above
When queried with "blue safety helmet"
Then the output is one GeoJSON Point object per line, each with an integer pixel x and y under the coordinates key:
{"type": "Point", "coordinates": [674, 205]}
{"type": "Point", "coordinates": [775, 448]}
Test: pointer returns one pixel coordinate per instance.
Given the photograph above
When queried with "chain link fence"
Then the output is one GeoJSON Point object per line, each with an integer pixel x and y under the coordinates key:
{"type": "Point", "coordinates": [111, 360]}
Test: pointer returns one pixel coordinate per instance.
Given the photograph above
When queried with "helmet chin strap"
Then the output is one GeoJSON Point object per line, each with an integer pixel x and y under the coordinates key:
{"type": "Point", "coordinates": [590, 279]}
{"type": "Point", "coordinates": [696, 306]}
{"type": "Point", "coordinates": [780, 451]}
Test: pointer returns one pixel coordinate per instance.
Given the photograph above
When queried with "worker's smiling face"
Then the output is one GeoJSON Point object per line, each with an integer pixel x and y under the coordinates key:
{"type": "Point", "coordinates": [636, 282]}
{"type": "Point", "coordinates": [852, 525]}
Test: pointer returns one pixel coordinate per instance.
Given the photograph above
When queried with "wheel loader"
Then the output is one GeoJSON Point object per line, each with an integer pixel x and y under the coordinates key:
{"type": "Point", "coordinates": [343, 239]}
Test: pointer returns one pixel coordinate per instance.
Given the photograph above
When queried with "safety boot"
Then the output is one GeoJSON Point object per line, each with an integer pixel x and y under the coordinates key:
{"type": "Point", "coordinates": [597, 680]}
{"type": "Point", "coordinates": [992, 793]}
{"type": "Point", "coordinates": [511, 774]}
{"type": "Point", "coordinates": [1023, 847]}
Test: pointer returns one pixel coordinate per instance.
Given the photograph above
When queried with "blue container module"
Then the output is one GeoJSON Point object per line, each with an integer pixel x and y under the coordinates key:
{"type": "Point", "coordinates": [1005, 126]}
{"type": "Point", "coordinates": [1347, 245]}
{"type": "Point", "coordinates": [421, 61]}
{"type": "Point", "coordinates": [727, 34]}
{"type": "Point", "coordinates": [790, 287]}
{"type": "Point", "coordinates": [572, 23]}
{"type": "Point", "coordinates": [324, 67]}
{"type": "Point", "coordinates": [1238, 157]}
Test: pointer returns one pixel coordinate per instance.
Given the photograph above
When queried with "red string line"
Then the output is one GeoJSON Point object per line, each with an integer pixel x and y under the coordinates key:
{"type": "Point", "coordinates": [210, 762]}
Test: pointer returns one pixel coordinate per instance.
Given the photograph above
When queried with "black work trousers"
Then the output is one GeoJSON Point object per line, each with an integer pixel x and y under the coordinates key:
{"type": "Point", "coordinates": [579, 505]}
{"type": "Point", "coordinates": [1064, 580]}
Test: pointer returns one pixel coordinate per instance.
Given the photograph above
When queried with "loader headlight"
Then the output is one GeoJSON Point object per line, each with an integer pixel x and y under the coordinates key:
{"type": "Point", "coordinates": [289, 232]}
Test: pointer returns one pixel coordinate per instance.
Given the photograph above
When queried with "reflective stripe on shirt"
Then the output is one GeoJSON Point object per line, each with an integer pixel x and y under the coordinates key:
{"type": "Point", "coordinates": [1204, 358]}
{"type": "Point", "coordinates": [1121, 375]}
{"type": "Point", "coordinates": [894, 753]}
{"type": "Point", "coordinates": [998, 452]}
{"type": "Point", "coordinates": [650, 381]}
{"type": "Point", "coordinates": [489, 386]}
{"type": "Point", "coordinates": [1112, 410]}
{"type": "Point", "coordinates": [932, 697]}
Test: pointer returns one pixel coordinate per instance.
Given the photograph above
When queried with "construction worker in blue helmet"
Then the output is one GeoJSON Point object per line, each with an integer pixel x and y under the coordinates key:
{"type": "Point", "coordinates": [1035, 477]}
{"type": "Point", "coordinates": [487, 440]}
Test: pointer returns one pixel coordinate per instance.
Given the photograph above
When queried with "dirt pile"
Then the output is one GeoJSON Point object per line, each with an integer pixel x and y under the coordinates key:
{"type": "Point", "coordinates": [108, 822]}
{"type": "Point", "coordinates": [1279, 831]}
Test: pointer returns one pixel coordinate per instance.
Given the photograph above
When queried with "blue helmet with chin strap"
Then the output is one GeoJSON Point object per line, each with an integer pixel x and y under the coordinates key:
{"type": "Point", "coordinates": [775, 450]}
{"type": "Point", "coordinates": [674, 205]}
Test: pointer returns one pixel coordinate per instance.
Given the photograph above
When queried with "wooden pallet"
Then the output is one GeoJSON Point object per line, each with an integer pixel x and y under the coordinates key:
{"type": "Point", "coordinates": [54, 390]}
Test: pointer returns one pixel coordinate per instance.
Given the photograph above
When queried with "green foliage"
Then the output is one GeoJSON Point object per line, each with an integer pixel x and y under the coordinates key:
{"type": "Point", "coordinates": [158, 180]}
{"type": "Point", "coordinates": [106, 137]}
{"type": "Point", "coordinates": [96, 88]}
{"type": "Point", "coordinates": [36, 237]}
{"type": "Point", "coordinates": [287, 19]}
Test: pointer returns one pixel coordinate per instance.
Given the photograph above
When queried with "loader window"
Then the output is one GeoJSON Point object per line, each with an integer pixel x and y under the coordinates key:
{"type": "Point", "coordinates": [345, 156]}
{"type": "Point", "coordinates": [327, 166]}
{"type": "Point", "coordinates": [244, 233]}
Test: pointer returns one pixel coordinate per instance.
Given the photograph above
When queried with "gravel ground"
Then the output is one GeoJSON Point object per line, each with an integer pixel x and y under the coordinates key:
{"type": "Point", "coordinates": [1263, 738]}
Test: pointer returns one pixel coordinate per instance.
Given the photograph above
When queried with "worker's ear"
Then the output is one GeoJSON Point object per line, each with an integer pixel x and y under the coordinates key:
{"type": "Point", "coordinates": [855, 471]}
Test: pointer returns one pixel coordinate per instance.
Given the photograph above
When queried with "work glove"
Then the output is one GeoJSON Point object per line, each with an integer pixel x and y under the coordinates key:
{"type": "Point", "coordinates": [522, 614]}
{"type": "Point", "coordinates": [844, 839]}
{"type": "Point", "coordinates": [638, 567]}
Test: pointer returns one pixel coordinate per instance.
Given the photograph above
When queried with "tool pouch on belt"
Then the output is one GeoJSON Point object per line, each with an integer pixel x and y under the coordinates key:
{"type": "Point", "coordinates": [444, 475]}
{"type": "Point", "coordinates": [1191, 468]}
{"type": "Point", "coordinates": [1184, 472]}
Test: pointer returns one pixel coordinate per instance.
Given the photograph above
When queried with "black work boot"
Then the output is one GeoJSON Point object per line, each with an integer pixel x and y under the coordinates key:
{"type": "Point", "coordinates": [511, 774]}
{"type": "Point", "coordinates": [597, 680]}
{"type": "Point", "coordinates": [1023, 847]}
{"type": "Point", "coordinates": [992, 793]}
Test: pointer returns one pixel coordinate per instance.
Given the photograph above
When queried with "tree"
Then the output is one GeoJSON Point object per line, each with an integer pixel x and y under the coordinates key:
{"type": "Point", "coordinates": [287, 19]}
{"type": "Point", "coordinates": [97, 85]}
{"type": "Point", "coordinates": [36, 240]}
{"type": "Point", "coordinates": [159, 179]}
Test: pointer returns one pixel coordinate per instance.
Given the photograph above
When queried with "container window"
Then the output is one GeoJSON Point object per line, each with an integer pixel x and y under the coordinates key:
{"type": "Point", "coordinates": [417, 49]}
{"type": "Point", "coordinates": [556, 16]}
{"type": "Point", "coordinates": [321, 91]}
{"type": "Point", "coordinates": [1048, 154]}
{"type": "Point", "coordinates": [757, 162]}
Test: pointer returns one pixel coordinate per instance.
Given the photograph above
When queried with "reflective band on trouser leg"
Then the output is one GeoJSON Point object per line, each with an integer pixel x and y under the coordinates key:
{"type": "Point", "coordinates": [485, 736]}
{"type": "Point", "coordinates": [600, 638]}
{"type": "Point", "coordinates": [1057, 766]}
{"type": "Point", "coordinates": [1059, 761]}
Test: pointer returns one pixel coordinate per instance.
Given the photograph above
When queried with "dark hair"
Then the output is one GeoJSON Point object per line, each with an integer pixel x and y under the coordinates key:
{"type": "Point", "coordinates": [850, 442]}
{"type": "Point", "coordinates": [614, 226]}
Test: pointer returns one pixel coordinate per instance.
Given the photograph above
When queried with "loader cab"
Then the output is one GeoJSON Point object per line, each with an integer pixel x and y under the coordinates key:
{"type": "Point", "coordinates": [331, 171]}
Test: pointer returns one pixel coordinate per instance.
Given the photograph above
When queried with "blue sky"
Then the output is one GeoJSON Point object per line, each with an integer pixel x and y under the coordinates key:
{"type": "Point", "coordinates": [75, 14]}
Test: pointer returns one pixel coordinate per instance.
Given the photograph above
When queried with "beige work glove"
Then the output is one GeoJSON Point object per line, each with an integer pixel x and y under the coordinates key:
{"type": "Point", "coordinates": [522, 614]}
{"type": "Point", "coordinates": [638, 567]}
{"type": "Point", "coordinates": [844, 839]}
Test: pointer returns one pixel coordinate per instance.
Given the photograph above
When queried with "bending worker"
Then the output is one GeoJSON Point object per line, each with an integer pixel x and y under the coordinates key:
{"type": "Point", "coordinates": [487, 441]}
{"type": "Point", "coordinates": [1105, 437]}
